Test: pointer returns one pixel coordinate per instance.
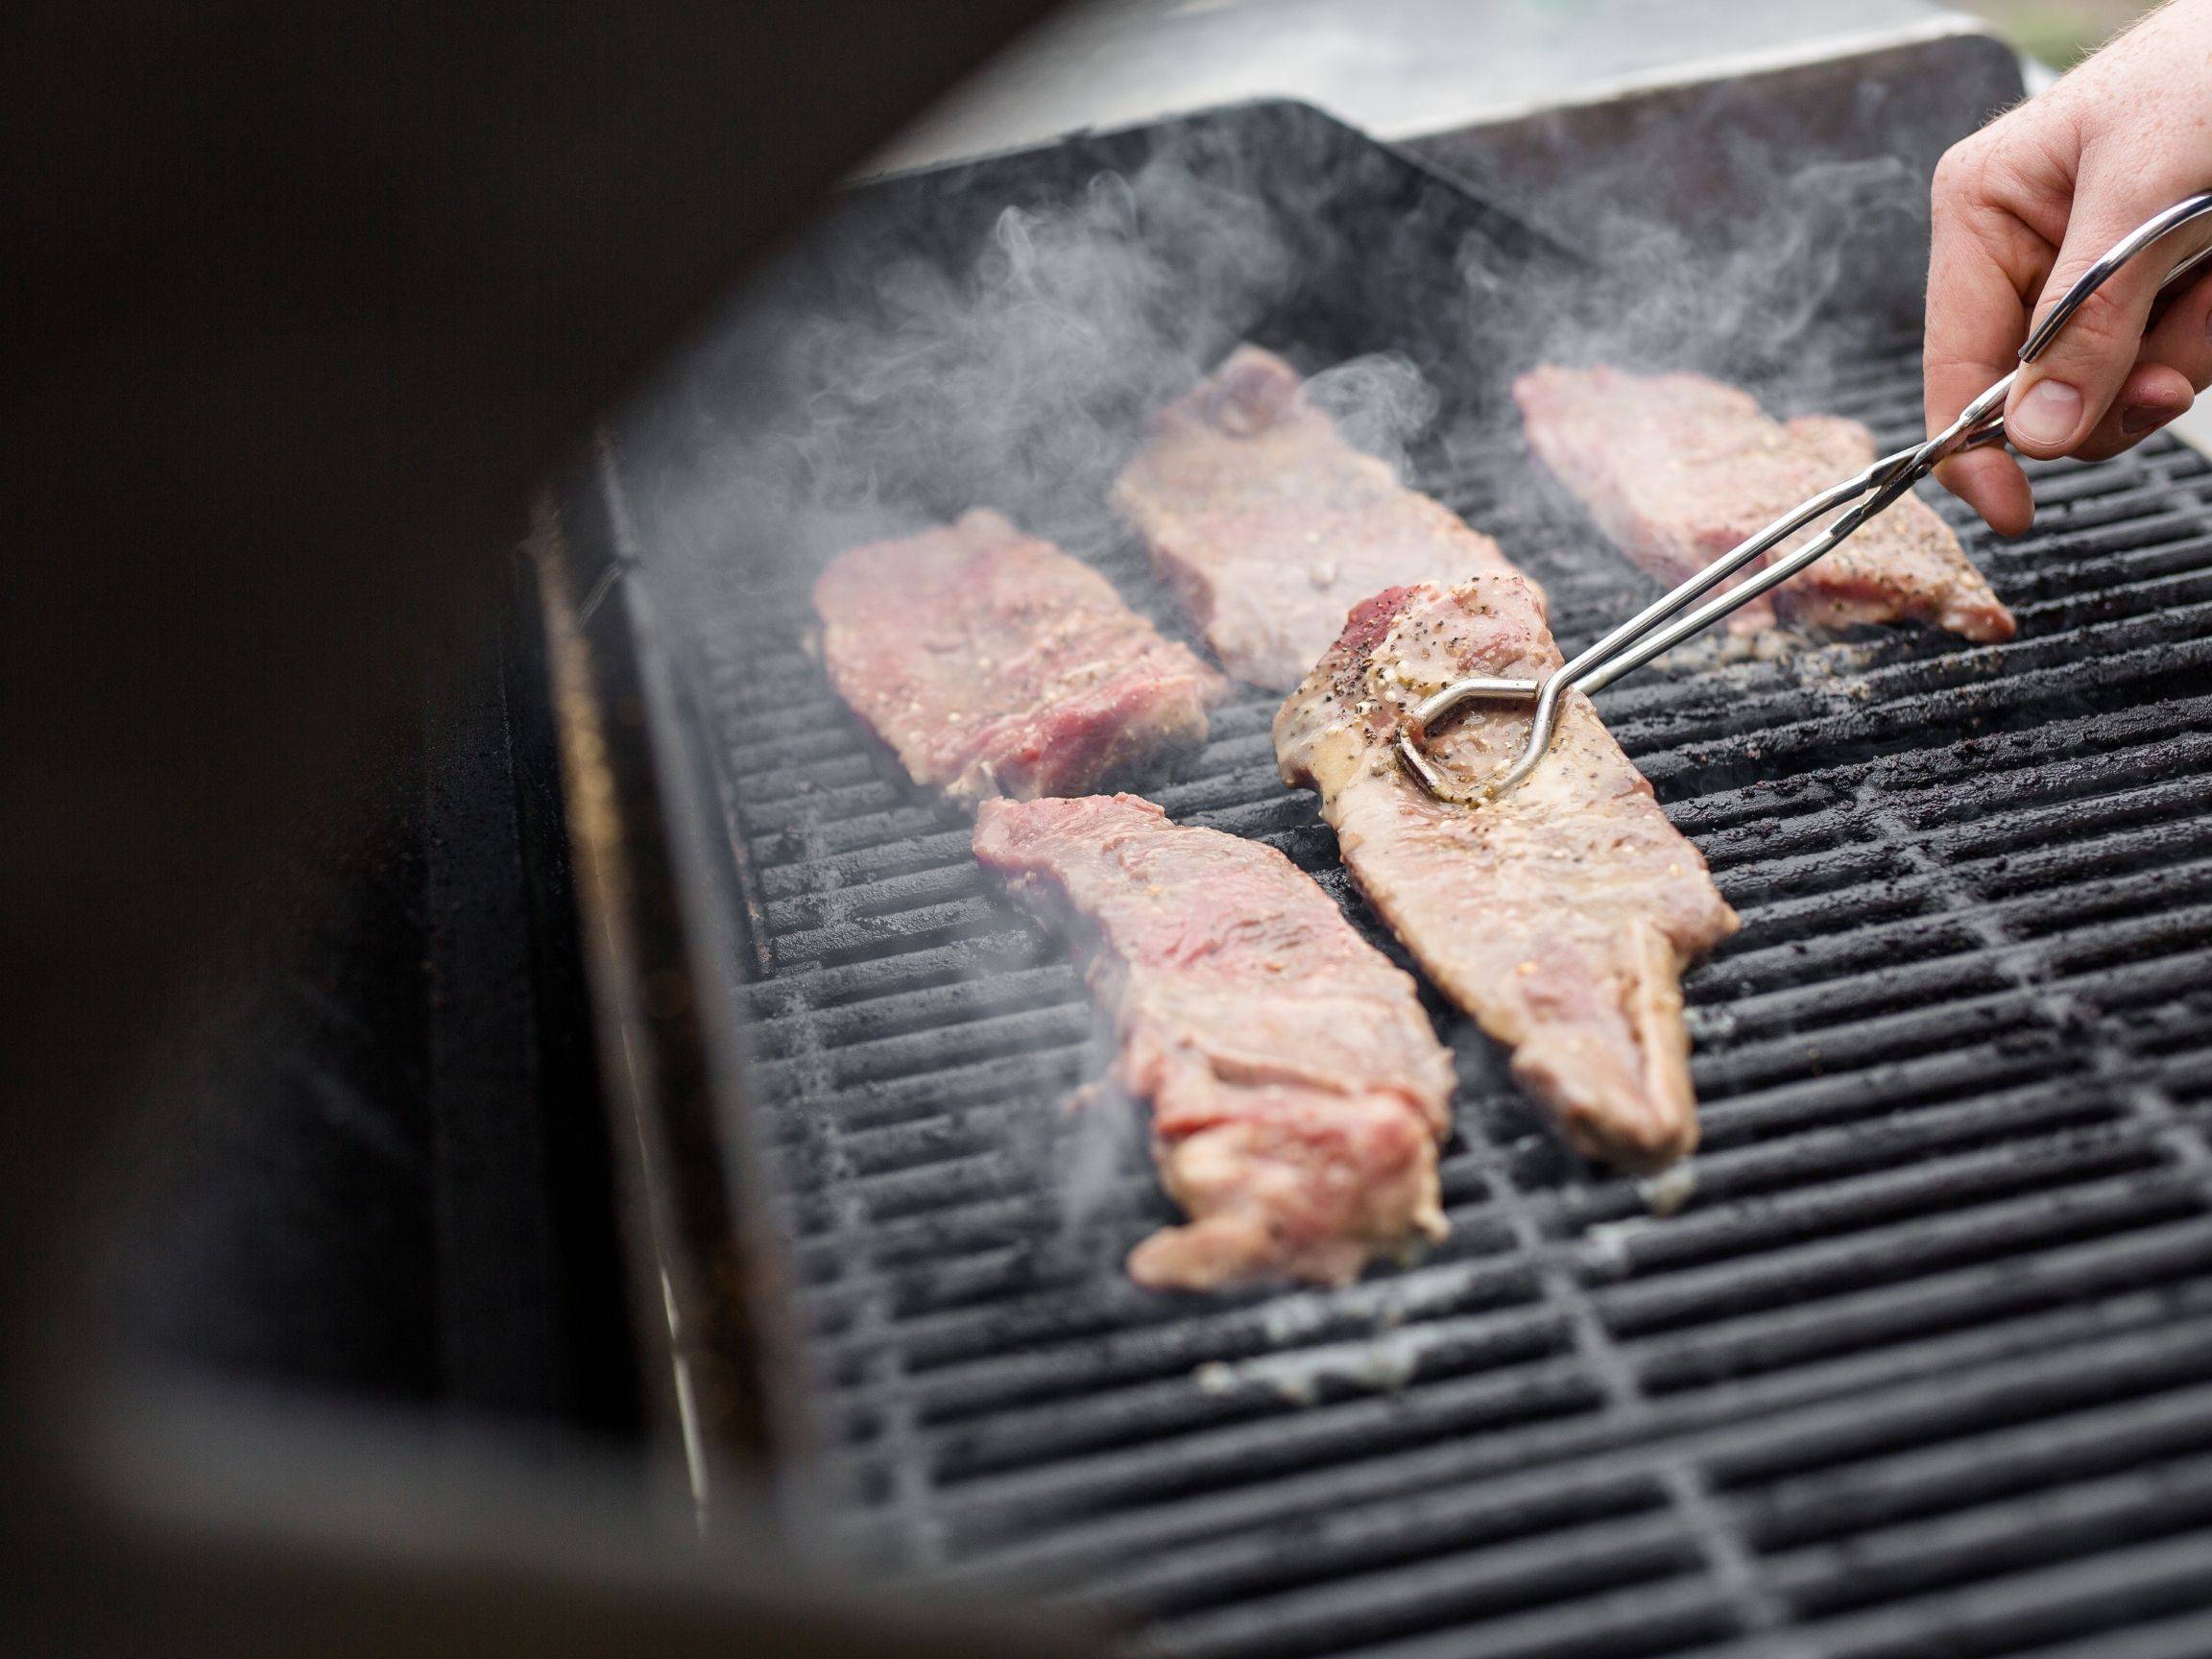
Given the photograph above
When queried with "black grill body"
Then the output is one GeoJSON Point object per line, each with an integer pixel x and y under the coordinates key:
{"type": "Point", "coordinates": [1921, 1366]}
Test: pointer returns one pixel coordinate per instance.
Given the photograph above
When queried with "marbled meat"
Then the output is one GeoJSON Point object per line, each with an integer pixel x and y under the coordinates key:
{"type": "Point", "coordinates": [993, 663]}
{"type": "Point", "coordinates": [1298, 1091]}
{"type": "Point", "coordinates": [1560, 915]}
{"type": "Point", "coordinates": [1676, 469]}
{"type": "Point", "coordinates": [1270, 527]}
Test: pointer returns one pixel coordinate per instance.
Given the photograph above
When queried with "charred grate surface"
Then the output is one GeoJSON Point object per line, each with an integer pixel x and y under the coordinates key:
{"type": "Point", "coordinates": [1924, 1360]}
{"type": "Point", "coordinates": [1919, 1368]}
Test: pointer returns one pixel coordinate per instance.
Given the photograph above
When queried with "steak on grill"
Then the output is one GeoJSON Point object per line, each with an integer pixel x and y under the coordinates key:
{"type": "Point", "coordinates": [996, 664]}
{"type": "Point", "coordinates": [1677, 470]}
{"type": "Point", "coordinates": [1298, 1090]}
{"type": "Point", "coordinates": [1561, 915]}
{"type": "Point", "coordinates": [1270, 526]}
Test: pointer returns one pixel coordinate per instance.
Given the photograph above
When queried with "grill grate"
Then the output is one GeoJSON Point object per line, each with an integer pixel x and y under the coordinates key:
{"type": "Point", "coordinates": [1921, 1365]}
{"type": "Point", "coordinates": [1923, 1358]}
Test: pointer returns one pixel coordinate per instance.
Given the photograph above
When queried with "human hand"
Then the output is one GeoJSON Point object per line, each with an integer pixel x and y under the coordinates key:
{"type": "Point", "coordinates": [2022, 208]}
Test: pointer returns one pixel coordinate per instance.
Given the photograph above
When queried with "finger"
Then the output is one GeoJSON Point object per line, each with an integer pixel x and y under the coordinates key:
{"type": "Point", "coordinates": [2153, 394]}
{"type": "Point", "coordinates": [1991, 483]}
{"type": "Point", "coordinates": [1982, 260]}
{"type": "Point", "coordinates": [1980, 263]}
{"type": "Point", "coordinates": [2181, 338]}
{"type": "Point", "coordinates": [2173, 363]}
{"type": "Point", "coordinates": [2065, 394]}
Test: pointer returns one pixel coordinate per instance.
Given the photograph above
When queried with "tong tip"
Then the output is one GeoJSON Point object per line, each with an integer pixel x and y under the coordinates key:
{"type": "Point", "coordinates": [1446, 790]}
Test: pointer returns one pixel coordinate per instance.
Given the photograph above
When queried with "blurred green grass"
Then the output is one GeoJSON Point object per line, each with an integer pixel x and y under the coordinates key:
{"type": "Point", "coordinates": [2060, 33]}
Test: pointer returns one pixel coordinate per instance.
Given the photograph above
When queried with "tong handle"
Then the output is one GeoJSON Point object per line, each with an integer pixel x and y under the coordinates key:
{"type": "Point", "coordinates": [2189, 207]}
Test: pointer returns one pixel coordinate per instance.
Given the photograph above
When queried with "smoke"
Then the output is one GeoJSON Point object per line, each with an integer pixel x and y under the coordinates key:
{"type": "Point", "coordinates": [1765, 227]}
{"type": "Point", "coordinates": [1804, 276]}
{"type": "Point", "coordinates": [1023, 376]}
{"type": "Point", "coordinates": [1380, 402]}
{"type": "Point", "coordinates": [1789, 294]}
{"type": "Point", "coordinates": [949, 352]}
{"type": "Point", "coordinates": [1094, 1151]}
{"type": "Point", "coordinates": [937, 349]}
{"type": "Point", "coordinates": [973, 347]}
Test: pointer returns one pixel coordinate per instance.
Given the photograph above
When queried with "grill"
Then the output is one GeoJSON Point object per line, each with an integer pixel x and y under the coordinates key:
{"type": "Point", "coordinates": [1924, 1365]}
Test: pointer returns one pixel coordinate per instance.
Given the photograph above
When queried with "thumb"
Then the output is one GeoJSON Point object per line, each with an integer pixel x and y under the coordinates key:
{"type": "Point", "coordinates": [2064, 394]}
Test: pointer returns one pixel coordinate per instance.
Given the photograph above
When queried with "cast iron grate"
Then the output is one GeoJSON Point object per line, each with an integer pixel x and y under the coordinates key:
{"type": "Point", "coordinates": [1925, 1355]}
{"type": "Point", "coordinates": [1921, 1366]}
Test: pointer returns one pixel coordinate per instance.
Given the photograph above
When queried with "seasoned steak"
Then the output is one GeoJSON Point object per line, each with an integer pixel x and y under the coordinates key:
{"type": "Point", "coordinates": [1297, 1090]}
{"type": "Point", "coordinates": [1560, 915]}
{"type": "Point", "coordinates": [995, 664]}
{"type": "Point", "coordinates": [1677, 470]}
{"type": "Point", "coordinates": [1270, 526]}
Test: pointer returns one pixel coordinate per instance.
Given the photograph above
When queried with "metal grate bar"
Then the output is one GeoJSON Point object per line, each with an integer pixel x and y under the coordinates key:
{"type": "Point", "coordinates": [1907, 1370]}
{"type": "Point", "coordinates": [1486, 1484]}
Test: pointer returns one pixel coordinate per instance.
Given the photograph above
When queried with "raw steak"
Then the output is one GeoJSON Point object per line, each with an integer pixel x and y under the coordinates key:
{"type": "Point", "coordinates": [1270, 527]}
{"type": "Point", "coordinates": [1560, 915]}
{"type": "Point", "coordinates": [995, 664]}
{"type": "Point", "coordinates": [1676, 469]}
{"type": "Point", "coordinates": [1297, 1090]}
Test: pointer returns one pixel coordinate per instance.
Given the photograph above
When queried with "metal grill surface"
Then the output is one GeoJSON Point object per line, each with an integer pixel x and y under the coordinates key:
{"type": "Point", "coordinates": [1926, 1360]}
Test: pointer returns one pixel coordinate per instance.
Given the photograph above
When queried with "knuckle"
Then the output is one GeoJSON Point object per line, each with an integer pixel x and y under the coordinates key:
{"type": "Point", "coordinates": [2021, 166]}
{"type": "Point", "coordinates": [1941, 361]}
{"type": "Point", "coordinates": [1961, 168]}
{"type": "Point", "coordinates": [2102, 326]}
{"type": "Point", "coordinates": [2015, 178]}
{"type": "Point", "coordinates": [1959, 368]}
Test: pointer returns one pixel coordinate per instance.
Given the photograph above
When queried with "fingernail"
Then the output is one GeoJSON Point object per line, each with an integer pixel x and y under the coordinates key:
{"type": "Point", "coordinates": [2141, 418]}
{"type": "Point", "coordinates": [2047, 414]}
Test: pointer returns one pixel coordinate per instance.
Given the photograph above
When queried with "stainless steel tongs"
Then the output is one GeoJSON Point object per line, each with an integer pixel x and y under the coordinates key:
{"type": "Point", "coordinates": [1660, 627]}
